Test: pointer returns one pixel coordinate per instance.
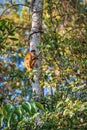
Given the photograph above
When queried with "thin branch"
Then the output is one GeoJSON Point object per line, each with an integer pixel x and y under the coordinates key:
{"type": "Point", "coordinates": [7, 85]}
{"type": "Point", "coordinates": [12, 7]}
{"type": "Point", "coordinates": [70, 31]}
{"type": "Point", "coordinates": [81, 125]}
{"type": "Point", "coordinates": [19, 5]}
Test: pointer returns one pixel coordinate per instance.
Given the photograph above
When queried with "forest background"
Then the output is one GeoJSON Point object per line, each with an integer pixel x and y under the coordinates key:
{"type": "Point", "coordinates": [64, 66]}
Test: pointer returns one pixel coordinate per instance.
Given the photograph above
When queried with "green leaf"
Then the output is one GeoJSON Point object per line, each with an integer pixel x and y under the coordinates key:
{"type": "Point", "coordinates": [86, 61]}
{"type": "Point", "coordinates": [9, 119]}
{"type": "Point", "coordinates": [1, 119]}
{"type": "Point", "coordinates": [66, 112]}
{"type": "Point", "coordinates": [27, 107]}
{"type": "Point", "coordinates": [18, 112]}
{"type": "Point", "coordinates": [8, 108]}
{"type": "Point", "coordinates": [11, 33]}
{"type": "Point", "coordinates": [2, 39]}
{"type": "Point", "coordinates": [59, 104]}
{"type": "Point", "coordinates": [33, 107]}
{"type": "Point", "coordinates": [40, 106]}
{"type": "Point", "coordinates": [14, 39]}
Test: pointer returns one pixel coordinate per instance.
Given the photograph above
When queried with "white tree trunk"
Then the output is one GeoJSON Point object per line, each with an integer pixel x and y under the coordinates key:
{"type": "Point", "coordinates": [35, 39]}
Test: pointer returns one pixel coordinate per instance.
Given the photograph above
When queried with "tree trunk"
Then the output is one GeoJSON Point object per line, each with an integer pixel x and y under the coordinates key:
{"type": "Point", "coordinates": [35, 39]}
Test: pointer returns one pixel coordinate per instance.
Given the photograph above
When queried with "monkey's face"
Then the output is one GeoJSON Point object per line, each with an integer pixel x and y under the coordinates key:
{"type": "Point", "coordinates": [33, 55]}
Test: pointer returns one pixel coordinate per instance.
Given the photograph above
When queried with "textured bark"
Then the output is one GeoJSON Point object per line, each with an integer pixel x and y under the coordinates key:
{"type": "Point", "coordinates": [35, 39]}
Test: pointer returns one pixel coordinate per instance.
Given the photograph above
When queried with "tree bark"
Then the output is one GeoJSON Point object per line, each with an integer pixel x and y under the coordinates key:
{"type": "Point", "coordinates": [35, 39]}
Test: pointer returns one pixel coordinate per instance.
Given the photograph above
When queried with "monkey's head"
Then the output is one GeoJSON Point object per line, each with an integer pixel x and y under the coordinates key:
{"type": "Point", "coordinates": [33, 53]}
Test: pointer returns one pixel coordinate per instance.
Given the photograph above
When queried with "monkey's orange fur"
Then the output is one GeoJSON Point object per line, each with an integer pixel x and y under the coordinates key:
{"type": "Point", "coordinates": [29, 60]}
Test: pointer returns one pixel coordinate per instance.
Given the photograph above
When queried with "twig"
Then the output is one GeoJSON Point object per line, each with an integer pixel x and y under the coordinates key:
{"type": "Point", "coordinates": [69, 31]}
{"type": "Point", "coordinates": [11, 7]}
{"type": "Point", "coordinates": [7, 85]}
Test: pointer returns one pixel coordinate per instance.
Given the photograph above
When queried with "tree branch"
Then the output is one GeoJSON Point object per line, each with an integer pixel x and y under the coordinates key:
{"type": "Point", "coordinates": [7, 85]}
{"type": "Point", "coordinates": [11, 7]}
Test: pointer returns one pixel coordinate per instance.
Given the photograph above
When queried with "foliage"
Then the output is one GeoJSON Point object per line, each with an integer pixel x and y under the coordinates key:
{"type": "Point", "coordinates": [64, 63]}
{"type": "Point", "coordinates": [19, 117]}
{"type": "Point", "coordinates": [67, 109]}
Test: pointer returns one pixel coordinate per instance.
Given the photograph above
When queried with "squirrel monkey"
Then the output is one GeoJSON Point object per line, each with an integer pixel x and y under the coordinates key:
{"type": "Point", "coordinates": [30, 59]}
